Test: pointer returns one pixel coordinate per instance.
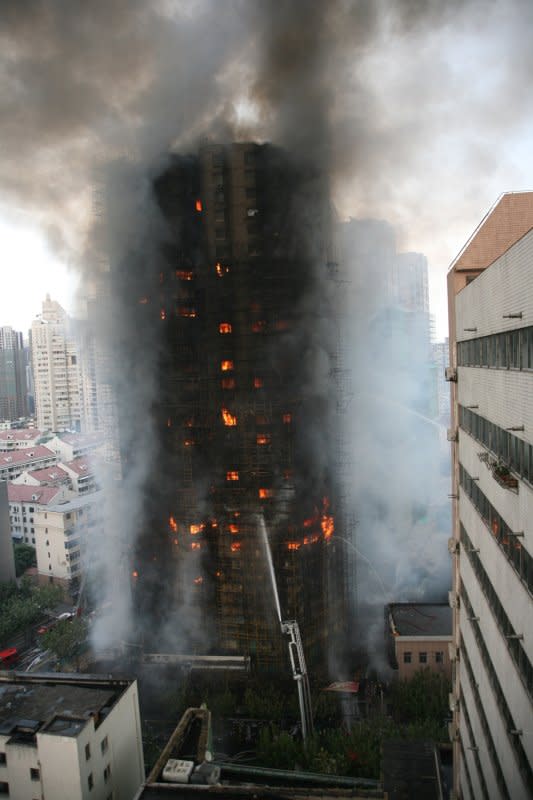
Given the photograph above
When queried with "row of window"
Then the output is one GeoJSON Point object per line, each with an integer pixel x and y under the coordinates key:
{"type": "Point", "coordinates": [493, 753]}
{"type": "Point", "coordinates": [423, 657]}
{"type": "Point", "coordinates": [509, 543]}
{"type": "Point", "coordinates": [507, 350]}
{"type": "Point", "coordinates": [474, 749]}
{"type": "Point", "coordinates": [509, 724]}
{"type": "Point", "coordinates": [513, 451]}
{"type": "Point", "coordinates": [464, 764]}
{"type": "Point", "coordinates": [516, 649]}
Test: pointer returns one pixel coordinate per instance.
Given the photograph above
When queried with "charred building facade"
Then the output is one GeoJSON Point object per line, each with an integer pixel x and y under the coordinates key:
{"type": "Point", "coordinates": [242, 297]}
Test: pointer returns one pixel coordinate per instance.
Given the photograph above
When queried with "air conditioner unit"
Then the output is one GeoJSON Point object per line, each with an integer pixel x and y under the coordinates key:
{"type": "Point", "coordinates": [450, 374]}
{"type": "Point", "coordinates": [453, 651]}
{"type": "Point", "coordinates": [177, 770]}
{"type": "Point", "coordinates": [453, 546]}
{"type": "Point", "coordinates": [453, 732]}
{"type": "Point", "coordinates": [453, 702]}
{"type": "Point", "coordinates": [453, 599]}
{"type": "Point", "coordinates": [452, 434]}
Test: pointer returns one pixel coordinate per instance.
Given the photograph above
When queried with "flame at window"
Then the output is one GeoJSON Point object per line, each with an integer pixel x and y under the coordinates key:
{"type": "Point", "coordinates": [221, 270]}
{"type": "Point", "coordinates": [225, 327]}
{"type": "Point", "coordinates": [265, 494]}
{"type": "Point", "coordinates": [232, 475]}
{"type": "Point", "coordinates": [194, 529]}
{"type": "Point", "coordinates": [327, 522]}
{"type": "Point", "coordinates": [263, 438]}
{"type": "Point", "coordinates": [198, 205]}
{"type": "Point", "coordinates": [226, 365]}
{"type": "Point", "coordinates": [173, 524]}
{"type": "Point", "coordinates": [184, 274]}
{"type": "Point", "coordinates": [234, 528]}
{"type": "Point", "coordinates": [287, 419]}
{"type": "Point", "coordinates": [229, 419]}
{"type": "Point", "coordinates": [258, 383]}
{"type": "Point", "coordinates": [235, 546]}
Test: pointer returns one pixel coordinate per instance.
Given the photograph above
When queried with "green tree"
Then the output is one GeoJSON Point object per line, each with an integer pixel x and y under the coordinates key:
{"type": "Point", "coordinates": [67, 639]}
{"type": "Point", "coordinates": [22, 606]}
{"type": "Point", "coordinates": [24, 558]}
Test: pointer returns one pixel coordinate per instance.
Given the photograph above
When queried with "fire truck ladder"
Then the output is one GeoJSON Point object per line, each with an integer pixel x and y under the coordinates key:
{"type": "Point", "coordinates": [299, 673]}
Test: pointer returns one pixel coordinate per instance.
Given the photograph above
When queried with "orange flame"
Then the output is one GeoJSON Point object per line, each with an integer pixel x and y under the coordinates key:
{"type": "Point", "coordinates": [228, 383]}
{"type": "Point", "coordinates": [198, 205]}
{"type": "Point", "coordinates": [258, 383]}
{"type": "Point", "coordinates": [173, 524]}
{"type": "Point", "coordinates": [187, 311]}
{"type": "Point", "coordinates": [134, 574]}
{"type": "Point", "coordinates": [226, 365]}
{"type": "Point", "coordinates": [229, 419]}
{"type": "Point", "coordinates": [234, 528]}
{"type": "Point", "coordinates": [194, 529]}
{"type": "Point", "coordinates": [220, 270]}
{"type": "Point", "coordinates": [189, 422]}
{"type": "Point", "coordinates": [232, 475]}
{"type": "Point", "coordinates": [163, 314]}
{"type": "Point", "coordinates": [169, 423]}
{"type": "Point", "coordinates": [287, 419]}
{"type": "Point", "coordinates": [188, 442]}
{"type": "Point", "coordinates": [293, 545]}
{"type": "Point", "coordinates": [198, 580]}
{"type": "Point", "coordinates": [235, 546]}
{"type": "Point", "coordinates": [184, 274]}
{"type": "Point", "coordinates": [265, 494]}
{"type": "Point", "coordinates": [262, 438]}
{"type": "Point", "coordinates": [225, 327]}
{"type": "Point", "coordinates": [196, 546]}
{"type": "Point", "coordinates": [327, 522]}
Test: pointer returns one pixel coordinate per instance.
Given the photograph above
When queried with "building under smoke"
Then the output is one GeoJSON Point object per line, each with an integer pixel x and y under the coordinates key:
{"type": "Point", "coordinates": [238, 304]}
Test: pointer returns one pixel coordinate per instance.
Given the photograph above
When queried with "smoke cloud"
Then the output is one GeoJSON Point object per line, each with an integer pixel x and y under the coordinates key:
{"type": "Point", "coordinates": [388, 98]}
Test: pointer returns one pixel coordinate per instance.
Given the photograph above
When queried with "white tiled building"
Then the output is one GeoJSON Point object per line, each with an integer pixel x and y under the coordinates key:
{"type": "Point", "coordinates": [491, 327]}
{"type": "Point", "coordinates": [70, 737]}
{"type": "Point", "coordinates": [56, 370]}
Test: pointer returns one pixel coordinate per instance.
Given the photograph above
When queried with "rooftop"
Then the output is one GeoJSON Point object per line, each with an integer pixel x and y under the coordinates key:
{"type": "Point", "coordinates": [25, 456]}
{"type": "Point", "coordinates": [20, 435]}
{"type": "Point", "coordinates": [421, 619]}
{"type": "Point", "coordinates": [81, 466]}
{"type": "Point", "coordinates": [81, 439]}
{"type": "Point", "coordinates": [42, 495]}
{"type": "Point", "coordinates": [90, 498]}
{"type": "Point", "coordinates": [48, 474]}
{"type": "Point", "coordinates": [55, 703]}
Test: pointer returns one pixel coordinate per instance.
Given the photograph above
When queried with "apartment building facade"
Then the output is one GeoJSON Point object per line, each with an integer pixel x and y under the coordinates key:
{"type": "Point", "coordinates": [56, 370]}
{"type": "Point", "coordinates": [491, 373]}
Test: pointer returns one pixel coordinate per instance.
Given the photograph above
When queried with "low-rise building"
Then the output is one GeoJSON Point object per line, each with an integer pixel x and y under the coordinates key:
{"type": "Point", "coordinates": [69, 446]}
{"type": "Point", "coordinates": [14, 463]}
{"type": "Point", "coordinates": [24, 502]}
{"type": "Point", "coordinates": [419, 636]}
{"type": "Point", "coordinates": [20, 439]}
{"type": "Point", "coordinates": [61, 533]}
{"type": "Point", "coordinates": [49, 476]}
{"type": "Point", "coordinates": [69, 736]}
{"type": "Point", "coordinates": [81, 475]}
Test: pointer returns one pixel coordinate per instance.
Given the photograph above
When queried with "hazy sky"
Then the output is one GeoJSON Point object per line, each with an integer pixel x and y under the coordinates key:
{"type": "Point", "coordinates": [428, 107]}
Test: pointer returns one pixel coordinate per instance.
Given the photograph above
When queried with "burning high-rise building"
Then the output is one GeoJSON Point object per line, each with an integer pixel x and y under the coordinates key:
{"type": "Point", "coordinates": [239, 302]}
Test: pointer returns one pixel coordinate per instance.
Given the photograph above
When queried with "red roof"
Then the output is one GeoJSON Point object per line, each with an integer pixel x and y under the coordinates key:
{"type": "Point", "coordinates": [48, 474]}
{"type": "Point", "coordinates": [20, 435]}
{"type": "Point", "coordinates": [25, 456]}
{"type": "Point", "coordinates": [81, 466]}
{"type": "Point", "coordinates": [42, 495]}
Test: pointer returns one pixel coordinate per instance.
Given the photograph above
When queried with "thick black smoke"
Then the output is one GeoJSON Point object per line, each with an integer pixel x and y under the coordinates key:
{"type": "Point", "coordinates": [388, 98]}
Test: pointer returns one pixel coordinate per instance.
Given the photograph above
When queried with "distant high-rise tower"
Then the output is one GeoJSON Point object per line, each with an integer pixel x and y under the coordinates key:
{"type": "Point", "coordinates": [491, 374]}
{"type": "Point", "coordinates": [245, 409]}
{"type": "Point", "coordinates": [13, 399]}
{"type": "Point", "coordinates": [56, 370]}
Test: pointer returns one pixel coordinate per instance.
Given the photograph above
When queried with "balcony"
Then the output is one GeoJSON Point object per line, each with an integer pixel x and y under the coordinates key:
{"type": "Point", "coordinates": [503, 475]}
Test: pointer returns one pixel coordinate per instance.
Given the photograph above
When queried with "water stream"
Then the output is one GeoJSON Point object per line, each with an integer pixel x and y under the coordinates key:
{"type": "Point", "coordinates": [270, 564]}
